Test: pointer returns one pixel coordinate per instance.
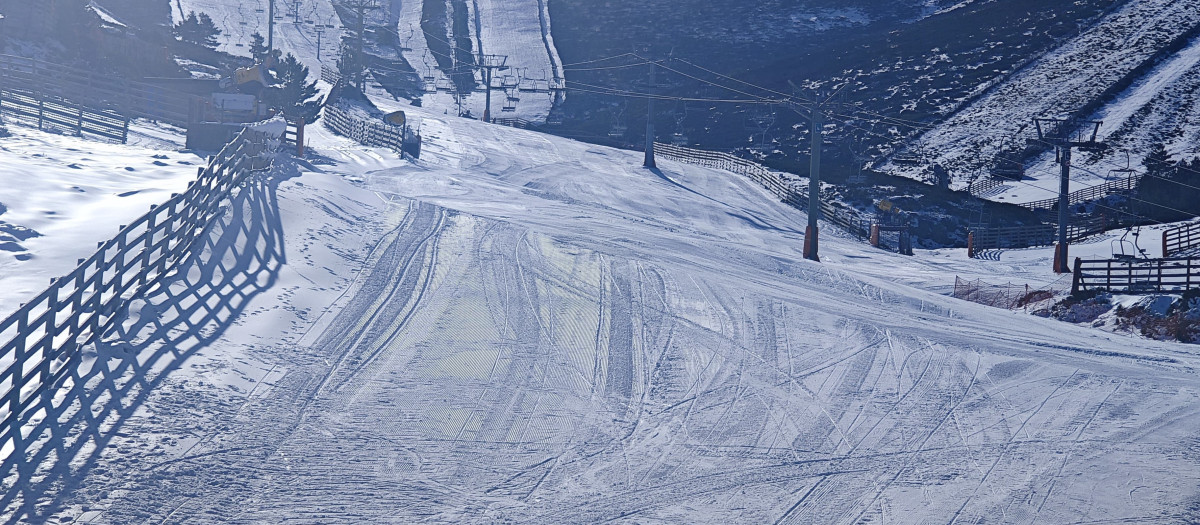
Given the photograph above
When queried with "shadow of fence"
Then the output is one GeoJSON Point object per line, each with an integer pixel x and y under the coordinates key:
{"type": "Point", "coordinates": [238, 259]}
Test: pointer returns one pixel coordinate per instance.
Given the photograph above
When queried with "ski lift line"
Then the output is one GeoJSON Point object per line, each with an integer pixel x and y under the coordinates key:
{"type": "Point", "coordinates": [1097, 175]}
{"type": "Point", "coordinates": [608, 67]}
{"type": "Point", "coordinates": [709, 82]}
{"type": "Point", "coordinates": [727, 77]}
{"type": "Point", "coordinates": [884, 119]}
{"type": "Point", "coordinates": [604, 90]}
{"type": "Point", "coordinates": [598, 60]}
{"type": "Point", "coordinates": [1098, 205]}
{"type": "Point", "coordinates": [670, 97]}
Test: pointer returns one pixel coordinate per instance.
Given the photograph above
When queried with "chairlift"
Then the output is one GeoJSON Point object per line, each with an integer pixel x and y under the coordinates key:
{"type": "Point", "coordinates": [679, 138]}
{"type": "Point", "coordinates": [1125, 250]}
{"type": "Point", "coordinates": [759, 123]}
{"type": "Point", "coordinates": [618, 129]}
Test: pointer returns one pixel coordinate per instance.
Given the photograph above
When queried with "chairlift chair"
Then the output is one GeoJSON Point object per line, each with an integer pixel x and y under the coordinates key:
{"type": "Point", "coordinates": [1125, 250]}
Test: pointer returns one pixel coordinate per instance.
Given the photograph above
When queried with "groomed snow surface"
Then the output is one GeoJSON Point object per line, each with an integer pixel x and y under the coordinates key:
{"type": "Point", "coordinates": [521, 328]}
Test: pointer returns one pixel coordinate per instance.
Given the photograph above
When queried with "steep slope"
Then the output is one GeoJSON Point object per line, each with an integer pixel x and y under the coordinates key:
{"type": "Point", "coordinates": [1077, 78]}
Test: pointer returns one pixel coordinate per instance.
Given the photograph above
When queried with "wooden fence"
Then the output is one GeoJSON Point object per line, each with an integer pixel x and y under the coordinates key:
{"type": "Point", "coordinates": [842, 216]}
{"type": "Point", "coordinates": [1088, 194]}
{"type": "Point", "coordinates": [131, 99]}
{"type": "Point", "coordinates": [518, 123]}
{"type": "Point", "coordinates": [41, 341]}
{"type": "Point", "coordinates": [1182, 239]}
{"type": "Point", "coordinates": [372, 134]}
{"type": "Point", "coordinates": [1137, 276]}
{"type": "Point", "coordinates": [981, 238]}
{"type": "Point", "coordinates": [49, 113]}
{"type": "Point", "coordinates": [330, 75]}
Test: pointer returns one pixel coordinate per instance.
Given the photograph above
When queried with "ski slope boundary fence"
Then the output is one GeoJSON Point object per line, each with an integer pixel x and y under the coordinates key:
{"type": "Point", "coordinates": [40, 343]}
{"type": "Point", "coordinates": [769, 179]}
{"type": "Point", "coordinates": [48, 113]}
{"type": "Point", "coordinates": [1137, 276]}
{"type": "Point", "coordinates": [980, 238]}
{"type": "Point", "coordinates": [371, 134]}
{"type": "Point", "coordinates": [1182, 239]}
{"type": "Point", "coordinates": [132, 99]}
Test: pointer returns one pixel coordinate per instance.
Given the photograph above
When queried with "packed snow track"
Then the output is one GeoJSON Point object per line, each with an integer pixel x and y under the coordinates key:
{"type": "Point", "coordinates": [526, 329]}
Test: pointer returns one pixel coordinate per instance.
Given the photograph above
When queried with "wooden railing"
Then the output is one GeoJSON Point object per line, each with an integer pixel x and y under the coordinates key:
{"type": "Point", "coordinates": [1087, 194]}
{"type": "Point", "coordinates": [1138, 276]}
{"type": "Point", "coordinates": [372, 134]}
{"type": "Point", "coordinates": [330, 75]}
{"type": "Point", "coordinates": [518, 123]}
{"type": "Point", "coordinates": [50, 113]}
{"type": "Point", "coordinates": [40, 342]}
{"type": "Point", "coordinates": [981, 238]}
{"type": "Point", "coordinates": [1182, 239]}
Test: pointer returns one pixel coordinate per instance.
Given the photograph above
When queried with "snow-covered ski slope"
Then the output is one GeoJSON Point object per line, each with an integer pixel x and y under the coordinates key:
{"type": "Point", "coordinates": [1062, 82]}
{"type": "Point", "coordinates": [522, 328]}
{"type": "Point", "coordinates": [59, 196]}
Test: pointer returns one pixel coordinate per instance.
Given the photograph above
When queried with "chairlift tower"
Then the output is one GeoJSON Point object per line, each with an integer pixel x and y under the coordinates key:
{"type": "Point", "coordinates": [649, 161]}
{"type": "Point", "coordinates": [815, 110]}
{"type": "Point", "coordinates": [1066, 135]}
{"type": "Point", "coordinates": [490, 64]}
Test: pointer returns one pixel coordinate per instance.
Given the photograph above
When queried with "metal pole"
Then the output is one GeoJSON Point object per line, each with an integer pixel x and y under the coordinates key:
{"type": "Point", "coordinates": [649, 161]}
{"type": "Point", "coordinates": [1064, 204]}
{"type": "Point", "coordinates": [362, 63]}
{"type": "Point", "coordinates": [320, 32]}
{"type": "Point", "coordinates": [487, 108]}
{"type": "Point", "coordinates": [270, 25]}
{"type": "Point", "coordinates": [814, 185]}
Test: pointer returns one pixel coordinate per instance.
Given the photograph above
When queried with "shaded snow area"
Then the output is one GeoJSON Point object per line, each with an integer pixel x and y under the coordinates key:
{"type": "Point", "coordinates": [59, 196]}
{"type": "Point", "coordinates": [520, 328]}
{"type": "Point", "coordinates": [1062, 82]}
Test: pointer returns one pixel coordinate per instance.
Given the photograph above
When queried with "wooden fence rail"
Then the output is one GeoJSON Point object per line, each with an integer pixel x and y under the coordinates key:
{"type": "Point", "coordinates": [1016, 237]}
{"type": "Point", "coordinates": [1182, 239]}
{"type": "Point", "coordinates": [372, 134]}
{"type": "Point", "coordinates": [1138, 276]}
{"type": "Point", "coordinates": [1087, 194]}
{"type": "Point", "coordinates": [41, 341]}
{"type": "Point", "coordinates": [49, 113]}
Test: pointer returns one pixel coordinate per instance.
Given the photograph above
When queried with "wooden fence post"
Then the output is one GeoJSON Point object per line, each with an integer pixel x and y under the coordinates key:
{"type": "Point", "coordinates": [300, 137]}
{"type": "Point", "coordinates": [1077, 279]}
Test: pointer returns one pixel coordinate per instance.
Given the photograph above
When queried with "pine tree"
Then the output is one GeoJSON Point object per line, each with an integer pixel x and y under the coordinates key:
{"type": "Point", "coordinates": [1158, 161]}
{"type": "Point", "coordinates": [258, 47]}
{"type": "Point", "coordinates": [199, 30]}
{"type": "Point", "coordinates": [294, 95]}
{"type": "Point", "coordinates": [348, 64]}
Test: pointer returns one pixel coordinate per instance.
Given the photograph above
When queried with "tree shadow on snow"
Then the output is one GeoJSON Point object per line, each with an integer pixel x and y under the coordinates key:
{"type": "Point", "coordinates": [191, 308]}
